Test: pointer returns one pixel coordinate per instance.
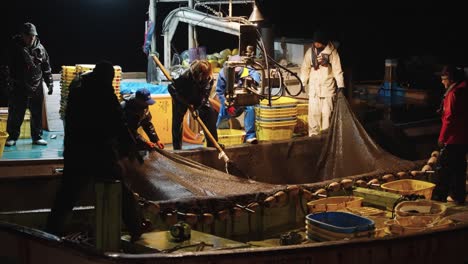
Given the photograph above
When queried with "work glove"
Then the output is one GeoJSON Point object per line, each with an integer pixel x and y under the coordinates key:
{"type": "Point", "coordinates": [441, 144]}
{"type": "Point", "coordinates": [150, 145]}
{"type": "Point", "coordinates": [50, 88]}
{"type": "Point", "coordinates": [160, 144]}
{"type": "Point", "coordinates": [231, 110]}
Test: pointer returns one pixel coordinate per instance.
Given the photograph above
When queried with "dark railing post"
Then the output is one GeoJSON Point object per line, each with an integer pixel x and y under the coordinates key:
{"type": "Point", "coordinates": [108, 215]}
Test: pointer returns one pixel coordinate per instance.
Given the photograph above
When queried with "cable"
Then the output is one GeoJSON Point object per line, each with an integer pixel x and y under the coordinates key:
{"type": "Point", "coordinates": [292, 73]}
{"type": "Point", "coordinates": [216, 13]}
{"type": "Point", "coordinates": [267, 58]}
{"type": "Point", "coordinates": [262, 46]}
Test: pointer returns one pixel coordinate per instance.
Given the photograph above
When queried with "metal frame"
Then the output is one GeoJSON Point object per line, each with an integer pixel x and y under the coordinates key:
{"type": "Point", "coordinates": [193, 18]}
{"type": "Point", "coordinates": [209, 2]}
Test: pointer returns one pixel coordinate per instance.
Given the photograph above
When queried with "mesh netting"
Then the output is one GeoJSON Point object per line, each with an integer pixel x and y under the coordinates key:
{"type": "Point", "coordinates": [167, 176]}
{"type": "Point", "coordinates": [346, 151]}
{"type": "Point", "coordinates": [349, 150]}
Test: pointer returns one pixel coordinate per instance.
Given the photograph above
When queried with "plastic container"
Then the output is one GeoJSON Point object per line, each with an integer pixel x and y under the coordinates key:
{"type": "Point", "coordinates": [420, 208]}
{"type": "Point", "coordinates": [68, 68]}
{"type": "Point", "coordinates": [230, 137]}
{"type": "Point", "coordinates": [338, 225]}
{"type": "Point", "coordinates": [277, 119]}
{"type": "Point", "coordinates": [414, 224]}
{"type": "Point", "coordinates": [408, 187]}
{"type": "Point", "coordinates": [3, 138]}
{"type": "Point", "coordinates": [334, 203]}
{"type": "Point", "coordinates": [276, 112]}
{"type": "Point", "coordinates": [281, 101]}
{"type": "Point", "coordinates": [280, 130]}
{"type": "Point", "coordinates": [25, 130]}
{"type": "Point", "coordinates": [366, 211]}
{"type": "Point", "coordinates": [321, 234]}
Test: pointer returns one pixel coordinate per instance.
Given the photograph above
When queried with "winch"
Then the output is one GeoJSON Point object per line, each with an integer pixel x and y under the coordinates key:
{"type": "Point", "coordinates": [180, 231]}
{"type": "Point", "coordinates": [245, 92]}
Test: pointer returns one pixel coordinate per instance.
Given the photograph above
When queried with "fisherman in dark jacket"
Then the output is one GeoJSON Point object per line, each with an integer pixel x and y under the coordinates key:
{"type": "Point", "coordinates": [27, 67]}
{"type": "Point", "coordinates": [193, 88]}
{"type": "Point", "coordinates": [96, 141]}
{"type": "Point", "coordinates": [137, 114]}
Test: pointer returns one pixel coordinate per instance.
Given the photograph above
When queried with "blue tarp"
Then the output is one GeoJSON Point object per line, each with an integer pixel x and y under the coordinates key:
{"type": "Point", "coordinates": [132, 87]}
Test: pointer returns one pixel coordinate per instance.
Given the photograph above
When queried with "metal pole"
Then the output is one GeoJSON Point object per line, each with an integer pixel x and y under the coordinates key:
{"type": "Point", "coordinates": [191, 42]}
{"type": "Point", "coordinates": [152, 18]}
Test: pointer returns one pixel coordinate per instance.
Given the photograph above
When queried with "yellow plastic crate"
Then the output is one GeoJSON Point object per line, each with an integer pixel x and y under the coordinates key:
{"type": "Point", "coordinates": [84, 67]}
{"type": "Point", "coordinates": [420, 208]}
{"type": "Point", "coordinates": [272, 112]}
{"type": "Point", "coordinates": [275, 101]}
{"type": "Point", "coordinates": [25, 130]}
{"type": "Point", "coordinates": [334, 203]}
{"type": "Point", "coordinates": [302, 109]}
{"type": "Point", "coordinates": [230, 137]}
{"type": "Point", "coordinates": [68, 69]}
{"type": "Point", "coordinates": [275, 130]}
{"type": "Point", "coordinates": [408, 187]}
{"type": "Point", "coordinates": [88, 67]}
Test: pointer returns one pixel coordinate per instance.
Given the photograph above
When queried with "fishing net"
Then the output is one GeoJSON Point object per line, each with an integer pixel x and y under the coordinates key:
{"type": "Point", "coordinates": [347, 150]}
{"type": "Point", "coordinates": [168, 176]}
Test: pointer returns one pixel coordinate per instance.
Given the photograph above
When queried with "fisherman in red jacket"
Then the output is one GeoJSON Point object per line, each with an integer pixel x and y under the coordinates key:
{"type": "Point", "coordinates": [453, 138]}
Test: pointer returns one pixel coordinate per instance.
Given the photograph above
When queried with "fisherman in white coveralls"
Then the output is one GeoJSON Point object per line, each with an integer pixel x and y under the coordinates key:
{"type": "Point", "coordinates": [322, 69]}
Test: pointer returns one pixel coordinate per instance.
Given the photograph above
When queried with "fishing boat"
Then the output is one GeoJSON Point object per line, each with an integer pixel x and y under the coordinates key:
{"type": "Point", "coordinates": [197, 213]}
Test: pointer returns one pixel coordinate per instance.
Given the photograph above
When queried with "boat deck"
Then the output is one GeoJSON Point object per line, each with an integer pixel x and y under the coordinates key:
{"type": "Point", "coordinates": [25, 150]}
{"type": "Point", "coordinates": [54, 134]}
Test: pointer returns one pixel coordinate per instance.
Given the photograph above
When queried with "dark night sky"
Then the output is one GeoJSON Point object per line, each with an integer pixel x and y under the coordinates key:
{"type": "Point", "coordinates": [85, 31]}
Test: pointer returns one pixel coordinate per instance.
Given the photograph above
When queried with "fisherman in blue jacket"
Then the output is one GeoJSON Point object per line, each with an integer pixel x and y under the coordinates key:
{"type": "Point", "coordinates": [227, 112]}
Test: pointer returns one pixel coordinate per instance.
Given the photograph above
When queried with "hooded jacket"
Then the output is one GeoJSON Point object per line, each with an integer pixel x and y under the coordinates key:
{"type": "Point", "coordinates": [28, 66]}
{"type": "Point", "coordinates": [187, 91]}
{"type": "Point", "coordinates": [455, 115]}
{"type": "Point", "coordinates": [323, 78]}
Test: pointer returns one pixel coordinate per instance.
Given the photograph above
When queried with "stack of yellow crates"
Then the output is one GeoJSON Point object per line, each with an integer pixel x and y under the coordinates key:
{"type": "Point", "coordinates": [276, 122]}
{"type": "Point", "coordinates": [116, 81]}
{"type": "Point", "coordinates": [81, 68]}
{"type": "Point", "coordinates": [68, 73]}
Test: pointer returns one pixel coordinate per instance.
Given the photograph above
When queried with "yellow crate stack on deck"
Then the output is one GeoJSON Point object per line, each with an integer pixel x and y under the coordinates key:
{"type": "Point", "coordinates": [67, 74]}
{"type": "Point", "coordinates": [276, 122]}
{"type": "Point", "coordinates": [117, 80]}
{"type": "Point", "coordinates": [81, 68]}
